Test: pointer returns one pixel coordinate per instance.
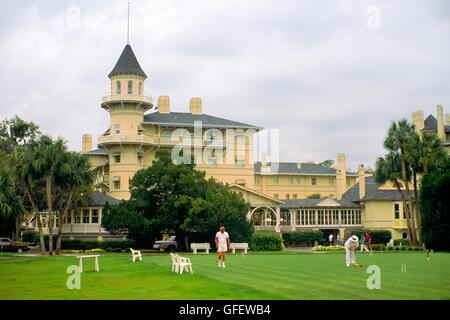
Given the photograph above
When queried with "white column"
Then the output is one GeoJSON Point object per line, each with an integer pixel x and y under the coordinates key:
{"type": "Point", "coordinates": [277, 226]}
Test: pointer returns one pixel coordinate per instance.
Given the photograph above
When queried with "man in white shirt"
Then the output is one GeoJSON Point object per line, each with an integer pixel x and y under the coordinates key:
{"type": "Point", "coordinates": [350, 246]}
{"type": "Point", "coordinates": [222, 245]}
{"type": "Point", "coordinates": [330, 239]}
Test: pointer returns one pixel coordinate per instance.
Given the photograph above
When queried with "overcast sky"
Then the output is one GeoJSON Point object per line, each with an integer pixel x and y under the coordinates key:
{"type": "Point", "coordinates": [330, 75]}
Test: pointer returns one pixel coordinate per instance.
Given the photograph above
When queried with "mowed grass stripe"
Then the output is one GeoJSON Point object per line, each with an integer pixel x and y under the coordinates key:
{"type": "Point", "coordinates": [256, 276]}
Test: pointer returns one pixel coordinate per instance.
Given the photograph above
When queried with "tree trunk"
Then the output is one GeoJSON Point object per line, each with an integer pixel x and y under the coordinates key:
{"type": "Point", "coordinates": [62, 218]}
{"type": "Point", "coordinates": [17, 233]}
{"type": "Point", "coordinates": [48, 187]}
{"type": "Point", "coordinates": [38, 220]}
{"type": "Point", "coordinates": [417, 203]}
{"type": "Point", "coordinates": [409, 211]}
{"type": "Point", "coordinates": [408, 222]}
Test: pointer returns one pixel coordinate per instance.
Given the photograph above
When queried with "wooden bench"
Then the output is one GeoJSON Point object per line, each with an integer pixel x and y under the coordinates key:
{"type": "Point", "coordinates": [200, 246]}
{"type": "Point", "coordinates": [239, 246]}
{"type": "Point", "coordinates": [135, 254]}
{"type": "Point", "coordinates": [97, 268]}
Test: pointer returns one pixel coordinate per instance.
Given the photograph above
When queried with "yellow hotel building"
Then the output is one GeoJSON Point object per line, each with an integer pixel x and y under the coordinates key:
{"type": "Point", "coordinates": [277, 192]}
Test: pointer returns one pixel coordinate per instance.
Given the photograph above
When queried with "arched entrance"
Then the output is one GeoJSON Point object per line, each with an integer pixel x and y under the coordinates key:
{"type": "Point", "coordinates": [265, 218]}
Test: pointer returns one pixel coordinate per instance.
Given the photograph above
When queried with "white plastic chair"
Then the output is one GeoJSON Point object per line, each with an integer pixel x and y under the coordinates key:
{"type": "Point", "coordinates": [135, 254]}
{"type": "Point", "coordinates": [183, 263]}
{"type": "Point", "coordinates": [174, 263]}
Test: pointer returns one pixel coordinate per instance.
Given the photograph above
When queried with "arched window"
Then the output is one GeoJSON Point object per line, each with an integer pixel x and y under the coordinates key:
{"type": "Point", "coordinates": [130, 87]}
{"type": "Point", "coordinates": [140, 88]}
{"type": "Point", "coordinates": [118, 87]}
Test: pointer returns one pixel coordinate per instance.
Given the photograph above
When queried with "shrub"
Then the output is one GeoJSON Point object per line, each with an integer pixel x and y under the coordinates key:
{"type": "Point", "coordinates": [29, 236]}
{"type": "Point", "coordinates": [96, 250]}
{"type": "Point", "coordinates": [396, 248]}
{"type": "Point", "coordinates": [307, 238]}
{"type": "Point", "coordinates": [379, 236]}
{"type": "Point", "coordinates": [266, 241]}
{"type": "Point", "coordinates": [89, 245]}
{"type": "Point", "coordinates": [73, 251]}
{"type": "Point", "coordinates": [379, 247]}
{"type": "Point", "coordinates": [328, 248]}
{"type": "Point", "coordinates": [403, 242]}
{"type": "Point", "coordinates": [390, 248]}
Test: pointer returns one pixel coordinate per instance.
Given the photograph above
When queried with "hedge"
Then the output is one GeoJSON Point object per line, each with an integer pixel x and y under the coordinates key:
{"type": "Point", "coordinates": [89, 245]}
{"type": "Point", "coordinates": [404, 242]}
{"type": "Point", "coordinates": [379, 236]}
{"type": "Point", "coordinates": [266, 241]}
{"type": "Point", "coordinates": [307, 238]}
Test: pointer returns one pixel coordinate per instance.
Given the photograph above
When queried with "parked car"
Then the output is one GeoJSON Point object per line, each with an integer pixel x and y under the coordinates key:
{"type": "Point", "coordinates": [169, 245]}
{"type": "Point", "coordinates": [8, 245]}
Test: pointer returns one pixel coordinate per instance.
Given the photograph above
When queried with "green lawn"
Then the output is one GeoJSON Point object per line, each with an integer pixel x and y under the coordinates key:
{"type": "Point", "coordinates": [255, 276]}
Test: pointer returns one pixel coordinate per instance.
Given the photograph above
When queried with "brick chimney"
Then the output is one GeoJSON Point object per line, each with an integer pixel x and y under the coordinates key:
{"type": "Point", "coordinates": [86, 144]}
{"type": "Point", "coordinates": [362, 181]}
{"type": "Point", "coordinates": [341, 176]}
{"type": "Point", "coordinates": [164, 104]}
{"type": "Point", "coordinates": [440, 122]}
{"type": "Point", "coordinates": [195, 106]}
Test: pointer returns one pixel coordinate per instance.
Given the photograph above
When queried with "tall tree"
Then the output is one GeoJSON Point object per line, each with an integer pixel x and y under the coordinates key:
{"type": "Point", "coordinates": [48, 160]}
{"type": "Point", "coordinates": [21, 160]}
{"type": "Point", "coordinates": [422, 153]}
{"type": "Point", "coordinates": [15, 132]}
{"type": "Point", "coordinates": [176, 198]}
{"type": "Point", "coordinates": [397, 139]}
{"type": "Point", "coordinates": [73, 183]}
{"type": "Point", "coordinates": [389, 169]}
{"type": "Point", "coordinates": [435, 207]}
{"type": "Point", "coordinates": [11, 206]}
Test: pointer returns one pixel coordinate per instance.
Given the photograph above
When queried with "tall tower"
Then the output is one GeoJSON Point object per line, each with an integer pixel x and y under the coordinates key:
{"type": "Point", "coordinates": [125, 138]}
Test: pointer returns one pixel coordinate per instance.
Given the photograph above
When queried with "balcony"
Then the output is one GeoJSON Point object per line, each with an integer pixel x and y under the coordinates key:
{"type": "Point", "coordinates": [107, 100]}
{"type": "Point", "coordinates": [126, 139]}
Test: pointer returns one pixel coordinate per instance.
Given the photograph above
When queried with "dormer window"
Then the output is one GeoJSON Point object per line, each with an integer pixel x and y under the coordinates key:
{"type": "Point", "coordinates": [130, 87]}
{"type": "Point", "coordinates": [118, 89]}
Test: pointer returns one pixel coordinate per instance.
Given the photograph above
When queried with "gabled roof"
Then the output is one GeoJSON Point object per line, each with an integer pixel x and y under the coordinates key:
{"type": "Point", "coordinates": [182, 119]}
{"type": "Point", "coordinates": [372, 192]}
{"type": "Point", "coordinates": [322, 202]}
{"type": "Point", "coordinates": [238, 186]}
{"type": "Point", "coordinates": [100, 199]}
{"type": "Point", "coordinates": [292, 168]}
{"type": "Point", "coordinates": [430, 124]}
{"type": "Point", "coordinates": [127, 64]}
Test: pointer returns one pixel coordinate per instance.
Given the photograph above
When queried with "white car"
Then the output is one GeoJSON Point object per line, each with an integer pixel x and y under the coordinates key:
{"type": "Point", "coordinates": [167, 245]}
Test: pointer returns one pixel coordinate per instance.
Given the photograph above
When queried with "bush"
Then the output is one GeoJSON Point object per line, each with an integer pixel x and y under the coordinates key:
{"type": "Point", "coordinates": [379, 247]}
{"type": "Point", "coordinates": [307, 238]}
{"type": "Point", "coordinates": [435, 208]}
{"type": "Point", "coordinates": [379, 236]}
{"type": "Point", "coordinates": [266, 241]}
{"type": "Point", "coordinates": [404, 242]}
{"type": "Point", "coordinates": [89, 245]}
{"type": "Point", "coordinates": [97, 250]}
{"type": "Point", "coordinates": [29, 236]}
{"type": "Point", "coordinates": [328, 248]}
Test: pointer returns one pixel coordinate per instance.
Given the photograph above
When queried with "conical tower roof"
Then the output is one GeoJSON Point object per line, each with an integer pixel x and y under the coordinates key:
{"type": "Point", "coordinates": [127, 64]}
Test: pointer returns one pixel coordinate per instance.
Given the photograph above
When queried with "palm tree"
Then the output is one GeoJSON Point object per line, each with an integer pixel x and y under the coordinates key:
{"type": "Point", "coordinates": [398, 137]}
{"type": "Point", "coordinates": [389, 169]}
{"type": "Point", "coordinates": [21, 162]}
{"type": "Point", "coordinates": [48, 158]}
{"type": "Point", "coordinates": [75, 180]}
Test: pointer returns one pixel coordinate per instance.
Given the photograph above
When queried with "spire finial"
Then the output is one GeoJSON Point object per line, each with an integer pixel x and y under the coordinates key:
{"type": "Point", "coordinates": [128, 25]}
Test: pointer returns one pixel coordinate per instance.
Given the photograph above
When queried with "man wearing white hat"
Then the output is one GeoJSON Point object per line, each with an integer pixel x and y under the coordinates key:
{"type": "Point", "coordinates": [351, 245]}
